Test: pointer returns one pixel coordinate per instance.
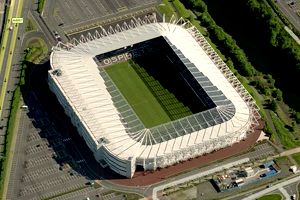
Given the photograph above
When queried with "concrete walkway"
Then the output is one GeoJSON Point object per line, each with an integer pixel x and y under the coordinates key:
{"type": "Point", "coordinates": [284, 192]}
{"type": "Point", "coordinates": [292, 34]}
{"type": "Point", "coordinates": [290, 152]}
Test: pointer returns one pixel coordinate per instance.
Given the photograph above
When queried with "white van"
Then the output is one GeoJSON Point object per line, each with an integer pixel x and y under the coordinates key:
{"type": "Point", "coordinates": [24, 107]}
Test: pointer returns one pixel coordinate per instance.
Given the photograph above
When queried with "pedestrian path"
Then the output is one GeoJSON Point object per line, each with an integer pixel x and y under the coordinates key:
{"type": "Point", "coordinates": [284, 192]}
{"type": "Point", "coordinates": [293, 35]}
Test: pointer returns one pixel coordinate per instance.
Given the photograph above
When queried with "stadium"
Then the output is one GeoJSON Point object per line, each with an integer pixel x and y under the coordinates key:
{"type": "Point", "coordinates": [146, 94]}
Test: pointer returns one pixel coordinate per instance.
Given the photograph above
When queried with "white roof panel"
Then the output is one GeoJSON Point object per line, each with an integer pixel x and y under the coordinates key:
{"type": "Point", "coordinates": [82, 85]}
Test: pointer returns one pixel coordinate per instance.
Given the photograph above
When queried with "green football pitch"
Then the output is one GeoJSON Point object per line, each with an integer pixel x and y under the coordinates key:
{"type": "Point", "coordinates": [152, 103]}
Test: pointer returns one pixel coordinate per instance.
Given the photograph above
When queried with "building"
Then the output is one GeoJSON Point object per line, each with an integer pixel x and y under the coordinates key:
{"type": "Point", "coordinates": [235, 178]}
{"type": "Point", "coordinates": [83, 93]}
{"type": "Point", "coordinates": [294, 169]}
{"type": "Point", "coordinates": [249, 171]}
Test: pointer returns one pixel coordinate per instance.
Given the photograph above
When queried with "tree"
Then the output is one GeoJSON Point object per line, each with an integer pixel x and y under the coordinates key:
{"type": "Point", "coordinates": [273, 105]}
{"type": "Point", "coordinates": [270, 79]}
{"type": "Point", "coordinates": [277, 94]}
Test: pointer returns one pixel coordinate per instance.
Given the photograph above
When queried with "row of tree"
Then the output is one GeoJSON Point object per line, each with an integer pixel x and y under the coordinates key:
{"type": "Point", "coordinates": [278, 37]}
{"type": "Point", "coordinates": [225, 43]}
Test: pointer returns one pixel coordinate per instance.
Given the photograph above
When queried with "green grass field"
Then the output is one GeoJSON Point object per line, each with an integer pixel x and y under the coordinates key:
{"type": "Point", "coordinates": [285, 136]}
{"type": "Point", "coordinates": [152, 103]}
{"type": "Point", "coordinates": [296, 157]}
{"type": "Point", "coordinates": [271, 197]}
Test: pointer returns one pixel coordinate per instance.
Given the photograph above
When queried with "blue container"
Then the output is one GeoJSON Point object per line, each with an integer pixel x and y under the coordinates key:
{"type": "Point", "coordinates": [268, 164]}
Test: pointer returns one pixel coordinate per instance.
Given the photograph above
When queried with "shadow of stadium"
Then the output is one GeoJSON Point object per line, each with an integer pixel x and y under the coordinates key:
{"type": "Point", "coordinates": [55, 126]}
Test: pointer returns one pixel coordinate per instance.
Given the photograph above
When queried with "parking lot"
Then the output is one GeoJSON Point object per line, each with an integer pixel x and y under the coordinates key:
{"type": "Point", "coordinates": [39, 174]}
{"type": "Point", "coordinates": [261, 151]}
{"type": "Point", "coordinates": [70, 14]}
{"type": "Point", "coordinates": [294, 5]}
{"type": "Point", "coordinates": [291, 9]}
{"type": "Point", "coordinates": [112, 22]}
{"type": "Point", "coordinates": [47, 162]}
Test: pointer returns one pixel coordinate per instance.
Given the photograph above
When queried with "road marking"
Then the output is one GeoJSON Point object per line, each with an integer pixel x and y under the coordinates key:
{"type": "Point", "coordinates": [99, 21]}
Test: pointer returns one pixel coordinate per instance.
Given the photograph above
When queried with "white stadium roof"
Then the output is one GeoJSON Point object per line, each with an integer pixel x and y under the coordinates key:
{"type": "Point", "coordinates": [86, 92]}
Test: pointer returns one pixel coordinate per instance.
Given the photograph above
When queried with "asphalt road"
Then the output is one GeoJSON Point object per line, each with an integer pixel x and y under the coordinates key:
{"type": "Point", "coordinates": [289, 13]}
{"type": "Point", "coordinates": [42, 26]}
{"type": "Point", "coordinates": [13, 76]}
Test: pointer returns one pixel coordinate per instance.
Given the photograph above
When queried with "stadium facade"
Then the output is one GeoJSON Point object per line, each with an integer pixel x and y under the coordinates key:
{"type": "Point", "coordinates": [109, 125]}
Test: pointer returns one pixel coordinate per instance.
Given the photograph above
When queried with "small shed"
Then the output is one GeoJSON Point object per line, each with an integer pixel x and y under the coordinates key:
{"type": "Point", "coordinates": [249, 171]}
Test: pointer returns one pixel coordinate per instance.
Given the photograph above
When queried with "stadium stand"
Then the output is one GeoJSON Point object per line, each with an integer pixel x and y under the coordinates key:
{"type": "Point", "coordinates": [225, 114]}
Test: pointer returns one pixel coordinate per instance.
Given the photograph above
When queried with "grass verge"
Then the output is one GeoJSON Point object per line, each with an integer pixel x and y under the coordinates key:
{"type": "Point", "coordinates": [181, 10]}
{"type": "Point", "coordinates": [30, 25]}
{"type": "Point", "coordinates": [41, 4]}
{"type": "Point", "coordinates": [166, 8]}
{"type": "Point", "coordinates": [284, 135]}
{"type": "Point", "coordinates": [129, 196]}
{"type": "Point", "coordinates": [36, 51]}
{"type": "Point", "coordinates": [271, 197]}
{"type": "Point", "coordinates": [296, 157]}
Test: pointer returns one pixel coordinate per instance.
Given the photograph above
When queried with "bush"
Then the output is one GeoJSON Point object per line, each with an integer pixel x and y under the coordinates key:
{"type": "Point", "coordinates": [277, 94]}
{"type": "Point", "coordinates": [41, 4]}
{"type": "Point", "coordinates": [181, 10]}
{"type": "Point", "coordinates": [200, 6]}
{"type": "Point", "coordinates": [273, 105]}
{"type": "Point", "coordinates": [268, 130]}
